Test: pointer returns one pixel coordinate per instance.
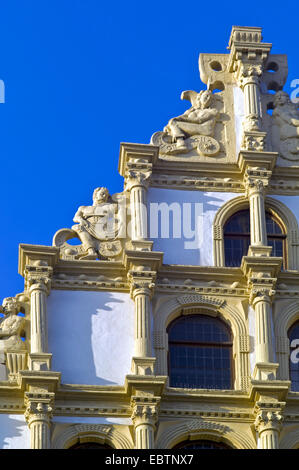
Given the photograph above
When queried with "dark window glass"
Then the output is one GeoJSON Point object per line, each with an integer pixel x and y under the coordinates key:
{"type": "Point", "coordinates": [90, 445]}
{"type": "Point", "coordinates": [294, 366]}
{"type": "Point", "coordinates": [202, 444]}
{"type": "Point", "coordinates": [237, 237]}
{"type": "Point", "coordinates": [200, 353]}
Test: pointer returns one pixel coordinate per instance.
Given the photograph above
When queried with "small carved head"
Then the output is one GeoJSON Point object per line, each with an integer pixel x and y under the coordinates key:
{"type": "Point", "coordinates": [10, 306]}
{"type": "Point", "coordinates": [281, 98]}
{"type": "Point", "coordinates": [203, 99]}
{"type": "Point", "coordinates": [100, 195]}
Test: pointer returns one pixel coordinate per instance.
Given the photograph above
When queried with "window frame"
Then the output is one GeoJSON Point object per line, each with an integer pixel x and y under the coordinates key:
{"type": "Point", "coordinates": [229, 345]}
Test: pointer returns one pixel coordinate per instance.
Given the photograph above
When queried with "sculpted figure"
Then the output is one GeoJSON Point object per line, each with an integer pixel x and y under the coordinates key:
{"type": "Point", "coordinates": [200, 119]}
{"type": "Point", "coordinates": [286, 117]}
{"type": "Point", "coordinates": [96, 222]}
{"type": "Point", "coordinates": [11, 326]}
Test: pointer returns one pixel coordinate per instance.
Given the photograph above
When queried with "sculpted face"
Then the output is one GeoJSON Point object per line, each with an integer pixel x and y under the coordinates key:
{"type": "Point", "coordinates": [203, 99]}
{"type": "Point", "coordinates": [281, 98]}
{"type": "Point", "coordinates": [100, 195]}
{"type": "Point", "coordinates": [9, 305]}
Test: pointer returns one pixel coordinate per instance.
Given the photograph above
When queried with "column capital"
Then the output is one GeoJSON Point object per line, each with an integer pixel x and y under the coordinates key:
{"type": "Point", "coordinates": [136, 179]}
{"type": "Point", "coordinates": [142, 282]}
{"type": "Point", "coordinates": [39, 407]}
{"type": "Point", "coordinates": [256, 181]}
{"type": "Point", "coordinates": [268, 416]}
{"type": "Point", "coordinates": [261, 292]}
{"type": "Point", "coordinates": [38, 276]}
{"type": "Point", "coordinates": [145, 410]}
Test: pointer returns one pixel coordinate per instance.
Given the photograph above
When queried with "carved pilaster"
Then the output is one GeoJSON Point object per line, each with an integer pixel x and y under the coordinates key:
{"type": "Point", "coordinates": [38, 282]}
{"type": "Point", "coordinates": [137, 183]}
{"type": "Point", "coordinates": [268, 424]}
{"type": "Point", "coordinates": [256, 183]}
{"type": "Point", "coordinates": [144, 417]}
{"type": "Point", "coordinates": [142, 284]}
{"type": "Point", "coordinates": [247, 59]}
{"type": "Point", "coordinates": [38, 414]}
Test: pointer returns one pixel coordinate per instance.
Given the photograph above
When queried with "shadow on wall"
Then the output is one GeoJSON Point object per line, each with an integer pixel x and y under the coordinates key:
{"type": "Point", "coordinates": [14, 432]}
{"type": "Point", "coordinates": [91, 336]}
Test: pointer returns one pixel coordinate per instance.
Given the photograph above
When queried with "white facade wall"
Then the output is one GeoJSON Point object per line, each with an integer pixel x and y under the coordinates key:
{"type": "Point", "coordinates": [292, 202]}
{"type": "Point", "coordinates": [14, 432]}
{"type": "Point", "coordinates": [91, 336]}
{"type": "Point", "coordinates": [190, 240]}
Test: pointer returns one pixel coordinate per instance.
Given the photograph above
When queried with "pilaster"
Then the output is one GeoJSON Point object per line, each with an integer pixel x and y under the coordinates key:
{"type": "Point", "coordinates": [144, 417]}
{"type": "Point", "coordinates": [38, 414]}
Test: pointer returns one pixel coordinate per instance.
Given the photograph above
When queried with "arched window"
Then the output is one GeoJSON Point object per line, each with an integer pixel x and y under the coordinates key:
{"type": "Point", "coordinates": [293, 335]}
{"type": "Point", "coordinates": [89, 445]}
{"type": "Point", "coordinates": [202, 444]}
{"type": "Point", "coordinates": [237, 237]}
{"type": "Point", "coordinates": [200, 353]}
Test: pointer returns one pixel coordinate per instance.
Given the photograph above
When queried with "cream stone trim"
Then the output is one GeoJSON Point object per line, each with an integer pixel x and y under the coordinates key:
{"type": "Point", "coordinates": [197, 304]}
{"type": "Point", "coordinates": [199, 429]}
{"type": "Point", "coordinates": [277, 208]}
{"type": "Point", "coordinates": [286, 318]}
{"type": "Point", "coordinates": [101, 433]}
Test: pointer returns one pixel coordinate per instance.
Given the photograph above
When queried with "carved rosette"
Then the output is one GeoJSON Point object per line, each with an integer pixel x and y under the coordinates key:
{"type": "Point", "coordinates": [254, 141]}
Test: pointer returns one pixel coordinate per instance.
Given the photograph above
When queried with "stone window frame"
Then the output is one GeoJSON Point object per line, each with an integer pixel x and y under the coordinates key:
{"type": "Point", "coordinates": [284, 318]}
{"type": "Point", "coordinates": [100, 433]}
{"type": "Point", "coordinates": [197, 429]}
{"type": "Point", "coordinates": [276, 208]}
{"type": "Point", "coordinates": [190, 304]}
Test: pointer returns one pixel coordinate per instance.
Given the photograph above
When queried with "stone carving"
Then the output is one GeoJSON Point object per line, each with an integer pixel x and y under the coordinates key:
{"type": "Point", "coordinates": [11, 326]}
{"type": "Point", "coordinates": [98, 227]}
{"type": "Point", "coordinates": [286, 117]}
{"type": "Point", "coordinates": [193, 129]}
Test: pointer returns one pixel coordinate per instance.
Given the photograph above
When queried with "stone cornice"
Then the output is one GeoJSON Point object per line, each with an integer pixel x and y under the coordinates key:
{"type": "Point", "coordinates": [137, 157]}
{"type": "Point", "coordinates": [29, 254]}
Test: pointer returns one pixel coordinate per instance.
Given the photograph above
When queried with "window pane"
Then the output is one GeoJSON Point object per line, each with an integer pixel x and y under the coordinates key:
{"type": "Point", "coordinates": [202, 444]}
{"type": "Point", "coordinates": [272, 226]}
{"type": "Point", "coordinates": [199, 328]}
{"type": "Point", "coordinates": [193, 362]}
{"type": "Point", "coordinates": [237, 237]}
{"type": "Point", "coordinates": [238, 223]}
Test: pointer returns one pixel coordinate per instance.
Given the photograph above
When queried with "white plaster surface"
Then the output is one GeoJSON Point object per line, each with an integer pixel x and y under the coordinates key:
{"type": "Point", "coordinates": [292, 202]}
{"type": "Point", "coordinates": [239, 116]}
{"type": "Point", "coordinates": [180, 247]}
{"type": "Point", "coordinates": [91, 336]}
{"type": "Point", "coordinates": [14, 432]}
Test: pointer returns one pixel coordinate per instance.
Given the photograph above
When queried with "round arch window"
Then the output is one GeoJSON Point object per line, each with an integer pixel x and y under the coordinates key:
{"type": "Point", "coordinates": [200, 353]}
{"type": "Point", "coordinates": [237, 237]}
{"type": "Point", "coordinates": [202, 444]}
{"type": "Point", "coordinates": [89, 445]}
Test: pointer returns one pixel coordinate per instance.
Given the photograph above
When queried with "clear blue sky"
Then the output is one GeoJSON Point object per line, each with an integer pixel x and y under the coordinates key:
{"type": "Point", "coordinates": [81, 76]}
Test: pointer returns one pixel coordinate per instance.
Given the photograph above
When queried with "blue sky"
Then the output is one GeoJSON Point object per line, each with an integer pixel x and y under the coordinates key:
{"type": "Point", "coordinates": [80, 77]}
